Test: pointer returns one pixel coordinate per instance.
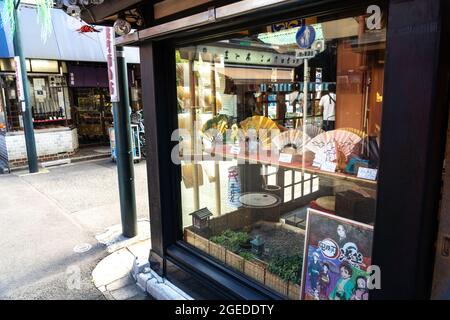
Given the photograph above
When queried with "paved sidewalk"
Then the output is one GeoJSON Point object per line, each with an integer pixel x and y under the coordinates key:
{"type": "Point", "coordinates": [49, 223]}
{"type": "Point", "coordinates": [113, 275]}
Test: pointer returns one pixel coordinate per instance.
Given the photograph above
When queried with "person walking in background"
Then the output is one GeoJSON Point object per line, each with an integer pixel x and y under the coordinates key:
{"type": "Point", "coordinates": [328, 106]}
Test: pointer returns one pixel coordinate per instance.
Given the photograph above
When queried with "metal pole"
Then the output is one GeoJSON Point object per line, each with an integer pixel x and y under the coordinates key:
{"type": "Point", "coordinates": [25, 105]}
{"type": "Point", "coordinates": [216, 163]}
{"type": "Point", "coordinates": [194, 136]}
{"type": "Point", "coordinates": [124, 152]}
{"type": "Point", "coordinates": [305, 111]}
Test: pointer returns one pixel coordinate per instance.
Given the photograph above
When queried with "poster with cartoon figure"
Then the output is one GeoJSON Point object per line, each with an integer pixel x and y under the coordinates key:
{"type": "Point", "coordinates": [337, 254]}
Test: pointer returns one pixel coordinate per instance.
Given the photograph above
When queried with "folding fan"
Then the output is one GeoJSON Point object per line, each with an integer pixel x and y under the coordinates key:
{"type": "Point", "coordinates": [311, 130]}
{"type": "Point", "coordinates": [326, 144]}
{"type": "Point", "coordinates": [214, 129]}
{"type": "Point", "coordinates": [263, 127]}
{"type": "Point", "coordinates": [359, 133]}
{"type": "Point", "coordinates": [291, 138]}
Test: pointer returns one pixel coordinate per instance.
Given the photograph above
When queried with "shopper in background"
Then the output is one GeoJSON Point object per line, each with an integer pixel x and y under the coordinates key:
{"type": "Point", "coordinates": [296, 99]}
{"type": "Point", "coordinates": [328, 106]}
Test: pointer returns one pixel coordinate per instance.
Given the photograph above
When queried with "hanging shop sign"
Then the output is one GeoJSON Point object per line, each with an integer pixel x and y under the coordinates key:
{"type": "Point", "coordinates": [247, 57]}
{"type": "Point", "coordinates": [19, 83]}
{"type": "Point", "coordinates": [112, 66]}
{"type": "Point", "coordinates": [285, 25]}
{"type": "Point", "coordinates": [336, 259]}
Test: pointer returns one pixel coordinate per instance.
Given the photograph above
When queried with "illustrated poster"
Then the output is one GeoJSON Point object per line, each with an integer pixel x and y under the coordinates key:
{"type": "Point", "coordinates": [337, 254]}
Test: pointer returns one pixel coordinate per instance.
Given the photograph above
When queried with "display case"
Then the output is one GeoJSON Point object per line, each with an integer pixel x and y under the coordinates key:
{"type": "Point", "coordinates": [267, 172]}
{"type": "Point", "coordinates": [220, 265]}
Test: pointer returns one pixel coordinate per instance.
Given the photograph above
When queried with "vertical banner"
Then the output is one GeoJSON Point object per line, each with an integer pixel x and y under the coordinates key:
{"type": "Point", "coordinates": [112, 64]}
{"type": "Point", "coordinates": [19, 83]}
{"type": "Point", "coordinates": [234, 187]}
{"type": "Point", "coordinates": [337, 255]}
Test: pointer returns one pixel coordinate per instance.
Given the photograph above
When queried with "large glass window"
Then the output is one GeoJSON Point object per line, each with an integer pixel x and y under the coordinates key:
{"type": "Point", "coordinates": [278, 141]}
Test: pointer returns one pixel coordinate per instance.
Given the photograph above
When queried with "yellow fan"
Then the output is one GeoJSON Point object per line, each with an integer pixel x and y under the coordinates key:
{"type": "Point", "coordinates": [359, 133]}
{"type": "Point", "coordinates": [214, 130]}
{"type": "Point", "coordinates": [260, 126]}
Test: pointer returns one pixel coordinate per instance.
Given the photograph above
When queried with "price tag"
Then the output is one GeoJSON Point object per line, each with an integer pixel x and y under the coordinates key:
{"type": "Point", "coordinates": [367, 173]}
{"type": "Point", "coordinates": [328, 166]}
{"type": "Point", "coordinates": [235, 150]}
{"type": "Point", "coordinates": [285, 157]}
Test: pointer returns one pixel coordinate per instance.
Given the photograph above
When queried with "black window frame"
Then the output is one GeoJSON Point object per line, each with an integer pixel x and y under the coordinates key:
{"type": "Point", "coordinates": [398, 163]}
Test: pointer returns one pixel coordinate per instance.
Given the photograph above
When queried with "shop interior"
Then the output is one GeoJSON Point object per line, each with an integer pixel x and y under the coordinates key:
{"type": "Point", "coordinates": [254, 109]}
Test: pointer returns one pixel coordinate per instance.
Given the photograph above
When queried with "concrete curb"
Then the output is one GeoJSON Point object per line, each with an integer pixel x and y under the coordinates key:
{"type": "Point", "coordinates": [125, 274]}
{"type": "Point", "coordinates": [156, 286]}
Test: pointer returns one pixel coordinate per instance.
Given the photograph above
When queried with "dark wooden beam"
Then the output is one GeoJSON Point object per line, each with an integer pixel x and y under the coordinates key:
{"type": "Point", "coordinates": [415, 112]}
{"type": "Point", "coordinates": [159, 96]}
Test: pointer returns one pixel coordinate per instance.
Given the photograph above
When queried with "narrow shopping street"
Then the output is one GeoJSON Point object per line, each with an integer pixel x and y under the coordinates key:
{"type": "Point", "coordinates": [48, 219]}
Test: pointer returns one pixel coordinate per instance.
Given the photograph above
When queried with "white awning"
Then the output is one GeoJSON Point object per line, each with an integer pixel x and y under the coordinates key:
{"type": "Point", "coordinates": [64, 43]}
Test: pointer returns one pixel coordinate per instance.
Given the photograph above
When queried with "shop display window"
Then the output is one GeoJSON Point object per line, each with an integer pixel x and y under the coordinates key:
{"type": "Point", "coordinates": [49, 99]}
{"type": "Point", "coordinates": [278, 147]}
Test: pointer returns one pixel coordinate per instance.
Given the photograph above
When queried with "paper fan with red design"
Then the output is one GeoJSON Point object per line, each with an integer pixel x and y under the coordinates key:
{"type": "Point", "coordinates": [325, 144]}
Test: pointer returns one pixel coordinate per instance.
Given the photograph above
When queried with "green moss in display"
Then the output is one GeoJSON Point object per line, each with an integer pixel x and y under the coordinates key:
{"type": "Point", "coordinates": [230, 240]}
{"type": "Point", "coordinates": [287, 267]}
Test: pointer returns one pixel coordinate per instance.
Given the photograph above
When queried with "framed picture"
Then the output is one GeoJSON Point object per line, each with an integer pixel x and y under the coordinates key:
{"type": "Point", "coordinates": [336, 257]}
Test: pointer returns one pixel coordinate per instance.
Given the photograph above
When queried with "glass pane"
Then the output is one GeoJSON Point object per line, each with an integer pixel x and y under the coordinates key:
{"type": "Point", "coordinates": [287, 194]}
{"type": "Point", "coordinates": [315, 184]}
{"type": "Point", "coordinates": [306, 187]}
{"type": "Point", "coordinates": [297, 191]}
{"type": "Point", "coordinates": [306, 100]}
{"type": "Point", "coordinates": [298, 176]}
{"type": "Point", "coordinates": [288, 177]}
{"type": "Point", "coordinates": [272, 180]}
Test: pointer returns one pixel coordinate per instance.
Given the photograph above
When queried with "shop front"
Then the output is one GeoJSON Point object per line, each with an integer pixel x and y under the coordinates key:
{"type": "Point", "coordinates": [70, 101]}
{"type": "Point", "coordinates": [92, 108]}
{"type": "Point", "coordinates": [296, 148]}
{"type": "Point", "coordinates": [49, 96]}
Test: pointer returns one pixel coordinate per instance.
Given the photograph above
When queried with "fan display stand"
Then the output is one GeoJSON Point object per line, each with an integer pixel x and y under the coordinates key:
{"type": "Point", "coordinates": [297, 164]}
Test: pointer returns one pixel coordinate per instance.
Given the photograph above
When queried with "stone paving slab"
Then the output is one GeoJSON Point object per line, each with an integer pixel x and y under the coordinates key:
{"type": "Point", "coordinates": [127, 292]}
{"type": "Point", "coordinates": [115, 266]}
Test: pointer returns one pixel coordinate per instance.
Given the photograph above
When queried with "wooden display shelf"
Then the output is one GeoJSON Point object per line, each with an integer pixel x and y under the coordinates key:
{"type": "Point", "coordinates": [268, 159]}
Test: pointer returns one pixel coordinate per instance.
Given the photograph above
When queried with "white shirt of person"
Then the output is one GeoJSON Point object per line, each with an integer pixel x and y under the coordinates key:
{"type": "Point", "coordinates": [297, 98]}
{"type": "Point", "coordinates": [328, 102]}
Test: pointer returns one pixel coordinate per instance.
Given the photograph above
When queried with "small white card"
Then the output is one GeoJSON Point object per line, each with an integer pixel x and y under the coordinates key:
{"type": "Point", "coordinates": [235, 150]}
{"type": "Point", "coordinates": [285, 157]}
{"type": "Point", "coordinates": [328, 166]}
{"type": "Point", "coordinates": [367, 173]}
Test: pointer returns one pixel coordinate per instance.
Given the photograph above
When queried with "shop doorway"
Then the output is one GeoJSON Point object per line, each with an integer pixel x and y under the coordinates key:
{"type": "Point", "coordinates": [92, 115]}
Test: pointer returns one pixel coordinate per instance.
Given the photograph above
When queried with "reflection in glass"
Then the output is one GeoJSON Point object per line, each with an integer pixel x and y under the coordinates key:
{"type": "Point", "coordinates": [276, 130]}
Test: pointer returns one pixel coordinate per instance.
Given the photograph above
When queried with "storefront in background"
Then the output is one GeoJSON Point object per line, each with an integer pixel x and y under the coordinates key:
{"type": "Point", "coordinates": [92, 108]}
{"type": "Point", "coordinates": [69, 99]}
{"type": "Point", "coordinates": [297, 155]}
{"type": "Point", "coordinates": [51, 111]}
